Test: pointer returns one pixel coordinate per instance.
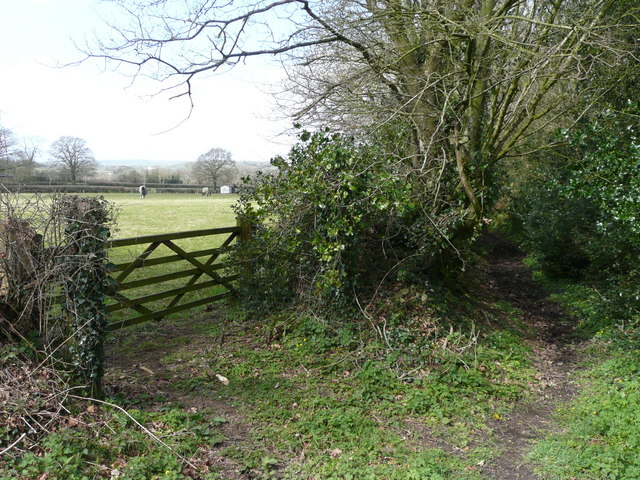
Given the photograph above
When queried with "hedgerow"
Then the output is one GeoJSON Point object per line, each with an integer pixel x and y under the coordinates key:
{"type": "Point", "coordinates": [337, 218]}
{"type": "Point", "coordinates": [581, 216]}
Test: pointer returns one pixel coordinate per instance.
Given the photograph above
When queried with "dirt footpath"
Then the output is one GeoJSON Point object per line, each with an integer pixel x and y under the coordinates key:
{"type": "Point", "coordinates": [556, 353]}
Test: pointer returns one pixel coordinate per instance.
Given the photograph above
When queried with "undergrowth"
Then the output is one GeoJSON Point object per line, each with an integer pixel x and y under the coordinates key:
{"type": "Point", "coordinates": [51, 434]}
{"type": "Point", "coordinates": [408, 391]}
{"type": "Point", "coordinates": [601, 439]}
{"type": "Point", "coordinates": [331, 399]}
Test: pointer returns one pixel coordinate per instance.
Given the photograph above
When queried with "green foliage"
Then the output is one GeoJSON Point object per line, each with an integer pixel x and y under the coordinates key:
{"type": "Point", "coordinates": [323, 398]}
{"type": "Point", "coordinates": [598, 305]}
{"type": "Point", "coordinates": [557, 229]}
{"type": "Point", "coordinates": [317, 336]}
{"type": "Point", "coordinates": [330, 399]}
{"type": "Point", "coordinates": [86, 279]}
{"type": "Point", "coordinates": [583, 212]}
{"type": "Point", "coordinates": [337, 216]}
{"type": "Point", "coordinates": [598, 431]}
{"type": "Point", "coordinates": [608, 176]}
{"type": "Point", "coordinates": [114, 446]}
{"type": "Point", "coordinates": [581, 217]}
{"type": "Point", "coordinates": [376, 382]}
{"type": "Point", "coordinates": [497, 368]}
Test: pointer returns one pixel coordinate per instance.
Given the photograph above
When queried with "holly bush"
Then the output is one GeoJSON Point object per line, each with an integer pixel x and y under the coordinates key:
{"type": "Point", "coordinates": [588, 200]}
{"type": "Point", "coordinates": [608, 176]}
{"type": "Point", "coordinates": [335, 217]}
{"type": "Point", "coordinates": [581, 216]}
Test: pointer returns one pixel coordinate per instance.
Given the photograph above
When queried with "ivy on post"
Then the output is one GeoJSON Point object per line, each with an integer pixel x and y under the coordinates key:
{"type": "Point", "coordinates": [86, 279]}
{"type": "Point", "coordinates": [246, 229]}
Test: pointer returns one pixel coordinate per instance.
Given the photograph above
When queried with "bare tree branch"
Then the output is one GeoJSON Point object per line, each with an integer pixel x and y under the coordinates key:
{"type": "Point", "coordinates": [474, 80]}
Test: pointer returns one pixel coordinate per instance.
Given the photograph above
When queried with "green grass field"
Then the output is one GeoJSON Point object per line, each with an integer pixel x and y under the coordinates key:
{"type": "Point", "coordinates": [164, 213]}
{"type": "Point", "coordinates": [168, 213]}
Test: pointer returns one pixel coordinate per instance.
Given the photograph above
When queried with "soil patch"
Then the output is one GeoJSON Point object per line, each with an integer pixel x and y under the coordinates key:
{"type": "Point", "coordinates": [555, 352]}
{"type": "Point", "coordinates": [164, 353]}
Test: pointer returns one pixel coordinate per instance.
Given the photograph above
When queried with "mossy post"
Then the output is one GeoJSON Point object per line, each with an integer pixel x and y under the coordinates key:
{"type": "Point", "coordinates": [246, 229]}
{"type": "Point", "coordinates": [86, 278]}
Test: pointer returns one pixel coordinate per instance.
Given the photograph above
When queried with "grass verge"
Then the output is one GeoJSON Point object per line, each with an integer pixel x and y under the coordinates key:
{"type": "Point", "coordinates": [598, 436]}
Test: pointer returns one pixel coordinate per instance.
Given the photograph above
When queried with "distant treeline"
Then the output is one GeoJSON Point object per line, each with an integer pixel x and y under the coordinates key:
{"type": "Point", "coordinates": [104, 187]}
{"type": "Point", "coordinates": [101, 183]}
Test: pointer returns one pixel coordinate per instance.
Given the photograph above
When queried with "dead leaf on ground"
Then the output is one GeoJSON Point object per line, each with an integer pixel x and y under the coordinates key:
{"type": "Point", "coordinates": [145, 369]}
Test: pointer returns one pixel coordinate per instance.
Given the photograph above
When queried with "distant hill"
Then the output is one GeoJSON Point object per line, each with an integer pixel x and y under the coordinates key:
{"type": "Point", "coordinates": [138, 163]}
{"type": "Point", "coordinates": [173, 164]}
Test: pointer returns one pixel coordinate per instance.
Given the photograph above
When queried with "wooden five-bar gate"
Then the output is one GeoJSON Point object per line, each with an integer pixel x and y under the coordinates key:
{"type": "Point", "coordinates": [135, 297]}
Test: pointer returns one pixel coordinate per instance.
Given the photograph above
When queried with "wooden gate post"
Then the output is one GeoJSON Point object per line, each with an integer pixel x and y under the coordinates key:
{"type": "Point", "coordinates": [245, 229]}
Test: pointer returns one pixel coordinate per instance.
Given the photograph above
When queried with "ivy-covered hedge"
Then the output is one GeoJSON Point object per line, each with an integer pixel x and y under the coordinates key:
{"type": "Point", "coordinates": [337, 218]}
{"type": "Point", "coordinates": [54, 273]}
{"type": "Point", "coordinates": [85, 279]}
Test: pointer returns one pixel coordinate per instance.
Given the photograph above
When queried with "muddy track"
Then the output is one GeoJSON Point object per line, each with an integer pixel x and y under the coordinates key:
{"type": "Point", "coordinates": [555, 357]}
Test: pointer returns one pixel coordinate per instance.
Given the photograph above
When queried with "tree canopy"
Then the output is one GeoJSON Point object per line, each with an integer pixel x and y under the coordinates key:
{"type": "Point", "coordinates": [460, 84]}
{"type": "Point", "coordinates": [213, 165]}
{"type": "Point", "coordinates": [73, 156]}
{"type": "Point", "coordinates": [446, 90]}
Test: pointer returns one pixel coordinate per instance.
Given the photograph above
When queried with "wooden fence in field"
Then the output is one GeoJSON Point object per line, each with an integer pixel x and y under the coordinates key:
{"type": "Point", "coordinates": [199, 270]}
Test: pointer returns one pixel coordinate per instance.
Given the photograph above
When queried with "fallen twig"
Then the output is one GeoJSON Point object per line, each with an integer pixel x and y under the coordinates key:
{"type": "Point", "coordinates": [13, 444]}
{"type": "Point", "coordinates": [142, 427]}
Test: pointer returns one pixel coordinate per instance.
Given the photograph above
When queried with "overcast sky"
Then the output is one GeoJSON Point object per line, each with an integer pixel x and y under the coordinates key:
{"type": "Point", "coordinates": [118, 120]}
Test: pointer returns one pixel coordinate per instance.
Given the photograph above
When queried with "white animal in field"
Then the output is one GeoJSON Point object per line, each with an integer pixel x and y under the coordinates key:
{"type": "Point", "coordinates": [143, 191]}
{"type": "Point", "coordinates": [206, 192]}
